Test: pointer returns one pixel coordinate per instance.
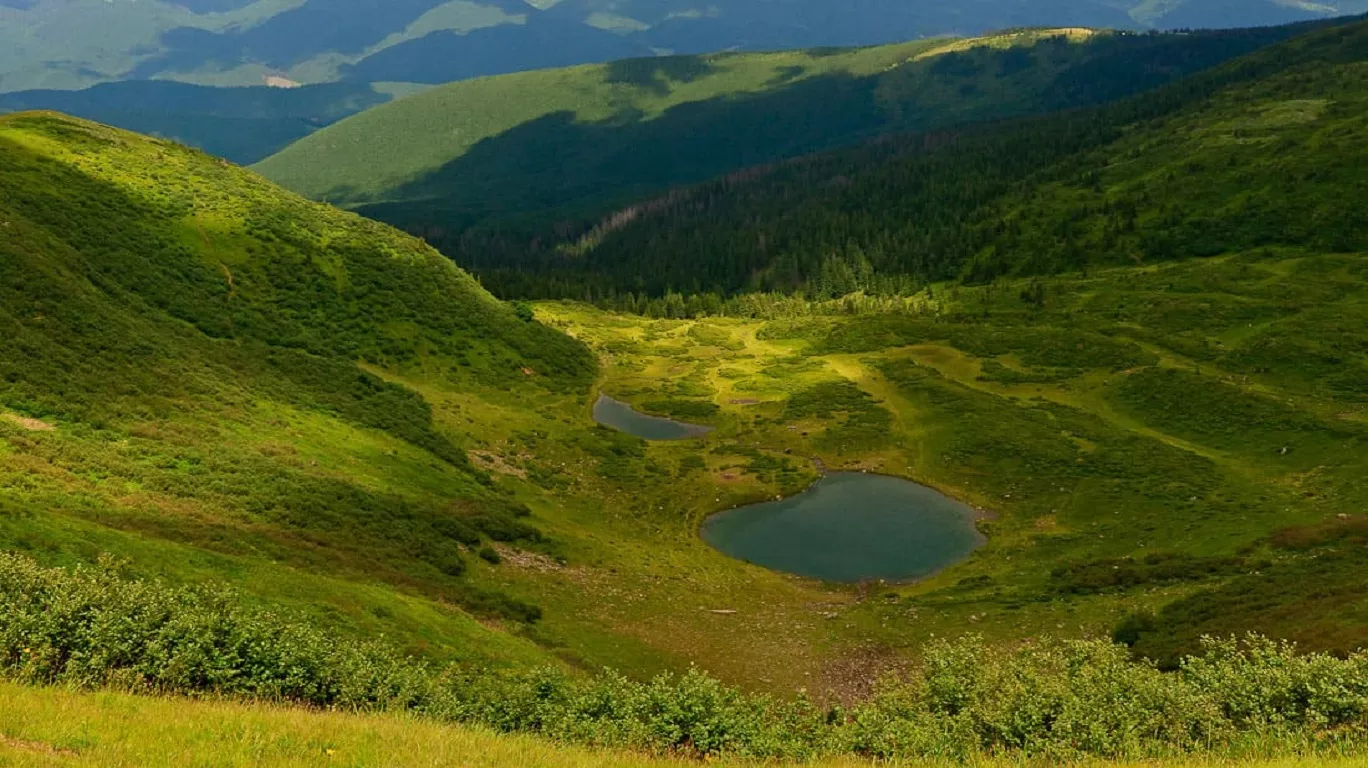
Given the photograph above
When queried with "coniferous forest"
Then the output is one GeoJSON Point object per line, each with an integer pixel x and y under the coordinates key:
{"type": "Point", "coordinates": [1063, 192]}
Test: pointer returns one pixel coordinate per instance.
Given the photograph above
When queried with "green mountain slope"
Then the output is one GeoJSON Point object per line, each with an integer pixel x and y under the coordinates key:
{"type": "Point", "coordinates": [195, 373]}
{"type": "Point", "coordinates": [1267, 151]}
{"type": "Point", "coordinates": [375, 155]}
{"type": "Point", "coordinates": [492, 151]}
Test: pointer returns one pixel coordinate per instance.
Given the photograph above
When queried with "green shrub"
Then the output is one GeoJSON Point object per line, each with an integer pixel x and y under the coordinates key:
{"type": "Point", "coordinates": [682, 409]}
{"type": "Point", "coordinates": [1057, 700]}
{"type": "Point", "coordinates": [1258, 683]}
{"type": "Point", "coordinates": [89, 627]}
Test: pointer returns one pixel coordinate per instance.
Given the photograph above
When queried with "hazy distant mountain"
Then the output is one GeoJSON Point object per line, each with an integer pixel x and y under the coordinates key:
{"type": "Point", "coordinates": [75, 43]}
{"type": "Point", "coordinates": [241, 124]}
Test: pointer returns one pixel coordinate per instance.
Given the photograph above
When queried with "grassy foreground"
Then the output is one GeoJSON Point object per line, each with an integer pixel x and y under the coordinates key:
{"type": "Point", "coordinates": [42, 727]}
{"type": "Point", "coordinates": [52, 727]}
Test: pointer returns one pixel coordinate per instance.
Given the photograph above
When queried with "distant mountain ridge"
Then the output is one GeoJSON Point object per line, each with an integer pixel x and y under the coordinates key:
{"type": "Point", "coordinates": [1264, 154]}
{"type": "Point", "coordinates": [497, 171]}
{"type": "Point", "coordinates": [75, 43]}
{"type": "Point", "coordinates": [243, 125]}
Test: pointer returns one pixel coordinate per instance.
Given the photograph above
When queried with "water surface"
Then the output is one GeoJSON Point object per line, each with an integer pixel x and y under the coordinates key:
{"type": "Point", "coordinates": [851, 527]}
{"type": "Point", "coordinates": [622, 417]}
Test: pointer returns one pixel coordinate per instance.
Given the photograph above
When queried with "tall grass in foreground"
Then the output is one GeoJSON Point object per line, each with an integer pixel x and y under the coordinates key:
{"type": "Point", "coordinates": [91, 627]}
{"type": "Point", "coordinates": [46, 727]}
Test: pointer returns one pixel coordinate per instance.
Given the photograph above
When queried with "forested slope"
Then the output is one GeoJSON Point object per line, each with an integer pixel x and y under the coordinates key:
{"type": "Point", "coordinates": [479, 159]}
{"type": "Point", "coordinates": [1267, 151]}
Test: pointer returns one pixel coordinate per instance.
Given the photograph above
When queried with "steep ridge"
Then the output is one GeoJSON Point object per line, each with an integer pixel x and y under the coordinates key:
{"type": "Point", "coordinates": [1266, 151]}
{"type": "Point", "coordinates": [198, 371]}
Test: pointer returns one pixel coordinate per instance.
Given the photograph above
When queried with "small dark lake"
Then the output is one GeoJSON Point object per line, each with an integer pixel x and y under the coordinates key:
{"type": "Point", "coordinates": [622, 417]}
{"type": "Point", "coordinates": [851, 527]}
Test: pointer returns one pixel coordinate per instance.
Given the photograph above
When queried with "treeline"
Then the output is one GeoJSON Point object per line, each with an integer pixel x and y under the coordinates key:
{"type": "Point", "coordinates": [1057, 700]}
{"type": "Point", "coordinates": [1117, 184]}
{"type": "Point", "coordinates": [772, 305]}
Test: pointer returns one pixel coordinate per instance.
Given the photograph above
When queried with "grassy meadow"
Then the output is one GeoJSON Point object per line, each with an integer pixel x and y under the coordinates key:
{"type": "Point", "coordinates": [1146, 447]}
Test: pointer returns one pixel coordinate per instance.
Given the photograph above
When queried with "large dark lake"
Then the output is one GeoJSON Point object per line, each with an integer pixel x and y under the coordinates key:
{"type": "Point", "coordinates": [851, 527]}
{"type": "Point", "coordinates": [621, 416]}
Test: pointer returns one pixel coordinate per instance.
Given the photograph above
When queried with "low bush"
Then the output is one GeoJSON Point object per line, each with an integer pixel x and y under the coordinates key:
{"type": "Point", "coordinates": [1056, 700]}
{"type": "Point", "coordinates": [1114, 574]}
{"type": "Point", "coordinates": [677, 408]}
{"type": "Point", "coordinates": [90, 627]}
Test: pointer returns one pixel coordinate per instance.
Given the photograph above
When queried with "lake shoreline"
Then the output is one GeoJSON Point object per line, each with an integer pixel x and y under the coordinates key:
{"type": "Point", "coordinates": [612, 413]}
{"type": "Point", "coordinates": [851, 527]}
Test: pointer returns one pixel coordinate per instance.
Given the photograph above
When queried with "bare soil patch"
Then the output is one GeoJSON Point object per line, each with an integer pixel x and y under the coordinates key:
{"type": "Point", "coordinates": [38, 747]}
{"type": "Point", "coordinates": [32, 425]}
{"type": "Point", "coordinates": [534, 561]}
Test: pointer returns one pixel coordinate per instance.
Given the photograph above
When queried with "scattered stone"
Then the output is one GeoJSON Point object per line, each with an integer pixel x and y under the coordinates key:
{"type": "Point", "coordinates": [492, 462]}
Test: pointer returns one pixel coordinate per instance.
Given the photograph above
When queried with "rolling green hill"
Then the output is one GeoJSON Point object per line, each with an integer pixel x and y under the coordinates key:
{"type": "Point", "coordinates": [487, 154]}
{"type": "Point", "coordinates": [1265, 151]}
{"type": "Point", "coordinates": [373, 156]}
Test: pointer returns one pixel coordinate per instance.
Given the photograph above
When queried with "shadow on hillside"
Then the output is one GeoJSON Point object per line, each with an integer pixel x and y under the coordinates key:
{"type": "Point", "coordinates": [559, 163]}
{"type": "Point", "coordinates": [557, 159]}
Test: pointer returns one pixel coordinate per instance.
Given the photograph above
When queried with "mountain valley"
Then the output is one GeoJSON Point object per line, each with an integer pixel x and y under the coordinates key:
{"type": "Point", "coordinates": [305, 487]}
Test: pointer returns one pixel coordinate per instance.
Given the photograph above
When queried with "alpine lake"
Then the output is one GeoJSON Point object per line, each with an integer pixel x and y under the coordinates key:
{"type": "Point", "coordinates": [848, 527]}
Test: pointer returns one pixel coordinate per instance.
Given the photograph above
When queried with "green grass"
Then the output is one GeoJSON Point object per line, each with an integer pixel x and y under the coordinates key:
{"type": "Point", "coordinates": [192, 336]}
{"type": "Point", "coordinates": [47, 727]}
{"type": "Point", "coordinates": [344, 490]}
{"type": "Point", "coordinates": [1107, 442]}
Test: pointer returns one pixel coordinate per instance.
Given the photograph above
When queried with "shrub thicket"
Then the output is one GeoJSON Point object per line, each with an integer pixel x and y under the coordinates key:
{"type": "Point", "coordinates": [1056, 699]}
